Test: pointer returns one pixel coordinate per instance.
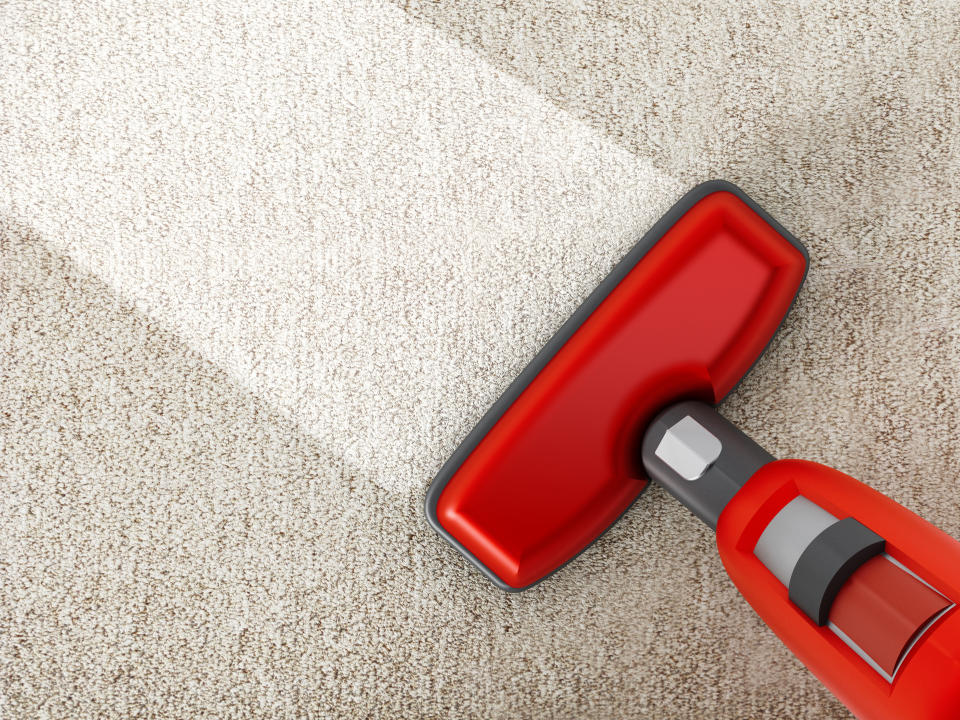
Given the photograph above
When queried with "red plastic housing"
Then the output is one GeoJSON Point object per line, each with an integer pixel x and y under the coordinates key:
{"type": "Point", "coordinates": [927, 683]}
{"type": "Point", "coordinates": [562, 463]}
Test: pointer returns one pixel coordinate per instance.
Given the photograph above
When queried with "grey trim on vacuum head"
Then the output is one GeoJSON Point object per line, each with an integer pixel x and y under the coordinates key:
{"type": "Point", "coordinates": [566, 331]}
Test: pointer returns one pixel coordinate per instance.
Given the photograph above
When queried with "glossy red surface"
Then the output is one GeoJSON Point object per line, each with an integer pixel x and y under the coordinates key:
{"type": "Point", "coordinates": [882, 608]}
{"type": "Point", "coordinates": [927, 684]}
{"type": "Point", "coordinates": [562, 463]}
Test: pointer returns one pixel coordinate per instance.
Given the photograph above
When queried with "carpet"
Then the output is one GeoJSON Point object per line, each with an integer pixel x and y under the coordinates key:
{"type": "Point", "coordinates": [263, 265]}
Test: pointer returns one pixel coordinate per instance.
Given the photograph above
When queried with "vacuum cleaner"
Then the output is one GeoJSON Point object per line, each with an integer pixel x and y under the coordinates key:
{"type": "Point", "coordinates": [861, 589]}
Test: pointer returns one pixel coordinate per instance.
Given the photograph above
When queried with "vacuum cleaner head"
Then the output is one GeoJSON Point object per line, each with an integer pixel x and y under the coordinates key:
{"type": "Point", "coordinates": [557, 459]}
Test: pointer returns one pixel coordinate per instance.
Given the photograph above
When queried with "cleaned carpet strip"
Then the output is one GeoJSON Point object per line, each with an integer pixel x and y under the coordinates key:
{"type": "Point", "coordinates": [352, 215]}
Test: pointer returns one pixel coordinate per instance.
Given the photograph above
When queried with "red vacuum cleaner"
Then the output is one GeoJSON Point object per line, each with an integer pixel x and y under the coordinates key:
{"type": "Point", "coordinates": [860, 588]}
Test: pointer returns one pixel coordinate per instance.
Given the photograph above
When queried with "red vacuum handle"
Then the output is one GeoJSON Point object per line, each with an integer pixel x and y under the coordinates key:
{"type": "Point", "coordinates": [862, 590]}
{"type": "Point", "coordinates": [891, 644]}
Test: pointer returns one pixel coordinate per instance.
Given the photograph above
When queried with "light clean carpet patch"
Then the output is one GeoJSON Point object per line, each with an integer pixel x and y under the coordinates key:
{"type": "Point", "coordinates": [348, 212]}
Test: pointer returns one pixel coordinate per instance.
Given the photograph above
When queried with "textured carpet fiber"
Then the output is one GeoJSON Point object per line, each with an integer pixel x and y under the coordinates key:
{"type": "Point", "coordinates": [262, 266]}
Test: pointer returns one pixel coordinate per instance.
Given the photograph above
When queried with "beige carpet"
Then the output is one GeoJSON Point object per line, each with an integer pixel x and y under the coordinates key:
{"type": "Point", "coordinates": [262, 265]}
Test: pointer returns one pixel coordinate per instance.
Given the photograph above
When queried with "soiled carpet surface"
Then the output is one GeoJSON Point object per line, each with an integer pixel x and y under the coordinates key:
{"type": "Point", "coordinates": [263, 265]}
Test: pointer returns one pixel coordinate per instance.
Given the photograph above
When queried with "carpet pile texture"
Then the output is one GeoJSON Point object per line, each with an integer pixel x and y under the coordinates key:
{"type": "Point", "coordinates": [264, 264]}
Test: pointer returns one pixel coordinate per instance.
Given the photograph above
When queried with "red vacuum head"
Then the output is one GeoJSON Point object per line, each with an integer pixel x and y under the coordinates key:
{"type": "Point", "coordinates": [556, 460]}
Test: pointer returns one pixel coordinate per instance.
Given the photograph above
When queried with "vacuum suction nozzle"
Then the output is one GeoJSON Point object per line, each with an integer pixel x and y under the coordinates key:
{"type": "Point", "coordinates": [556, 460]}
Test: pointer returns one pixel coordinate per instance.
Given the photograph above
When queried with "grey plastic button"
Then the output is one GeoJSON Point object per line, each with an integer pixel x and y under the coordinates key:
{"type": "Point", "coordinates": [686, 438]}
{"type": "Point", "coordinates": [689, 448]}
